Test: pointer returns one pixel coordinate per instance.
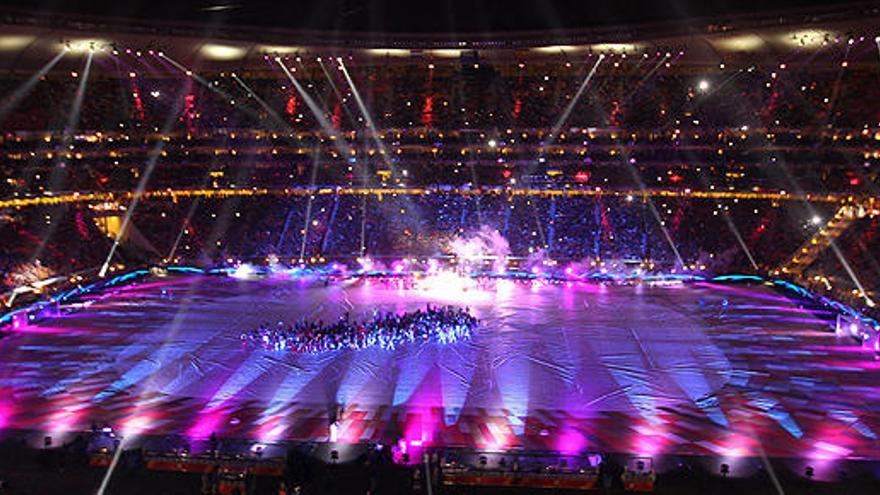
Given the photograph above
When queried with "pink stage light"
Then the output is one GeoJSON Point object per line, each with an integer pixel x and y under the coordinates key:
{"type": "Point", "coordinates": [829, 451]}
{"type": "Point", "coordinates": [649, 440]}
{"type": "Point", "coordinates": [136, 424]}
{"type": "Point", "coordinates": [68, 418]}
{"type": "Point", "coordinates": [6, 413]}
{"type": "Point", "coordinates": [45, 330]}
{"type": "Point", "coordinates": [209, 422]}
{"type": "Point", "coordinates": [571, 441]}
{"type": "Point", "coordinates": [272, 430]}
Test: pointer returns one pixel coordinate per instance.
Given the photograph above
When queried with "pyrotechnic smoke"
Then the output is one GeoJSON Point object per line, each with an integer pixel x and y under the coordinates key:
{"type": "Point", "coordinates": [367, 264]}
{"type": "Point", "coordinates": [487, 244]}
{"type": "Point", "coordinates": [536, 261]}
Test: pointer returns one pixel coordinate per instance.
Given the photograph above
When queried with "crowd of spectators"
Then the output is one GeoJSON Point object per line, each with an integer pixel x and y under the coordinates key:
{"type": "Point", "coordinates": [456, 97]}
{"type": "Point", "coordinates": [44, 242]}
{"type": "Point", "coordinates": [661, 233]}
{"type": "Point", "coordinates": [849, 271]}
{"type": "Point", "coordinates": [754, 127]}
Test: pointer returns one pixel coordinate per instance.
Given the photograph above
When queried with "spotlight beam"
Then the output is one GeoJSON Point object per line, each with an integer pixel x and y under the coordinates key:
{"type": "Point", "coordinates": [834, 248]}
{"type": "Point", "coordinates": [327, 128]}
{"type": "Point", "coordinates": [182, 230]}
{"type": "Point", "coordinates": [141, 187]}
{"type": "Point", "coordinates": [335, 89]}
{"type": "Point", "coordinates": [111, 468]}
{"type": "Point", "coordinates": [189, 215]}
{"type": "Point", "coordinates": [852, 274]}
{"type": "Point", "coordinates": [371, 126]}
{"type": "Point", "coordinates": [308, 220]}
{"type": "Point", "coordinates": [186, 221]}
{"type": "Point", "coordinates": [365, 179]}
{"type": "Point", "coordinates": [656, 214]}
{"type": "Point", "coordinates": [272, 113]}
{"type": "Point", "coordinates": [729, 221]}
{"type": "Point", "coordinates": [374, 134]}
{"type": "Point", "coordinates": [570, 107]}
{"type": "Point", "coordinates": [284, 228]}
{"type": "Point", "coordinates": [836, 89]}
{"type": "Point", "coordinates": [638, 86]}
{"type": "Point", "coordinates": [363, 250]}
{"type": "Point", "coordinates": [739, 239]}
{"type": "Point", "coordinates": [201, 80]}
{"type": "Point", "coordinates": [58, 173]}
{"type": "Point", "coordinates": [12, 101]}
{"type": "Point", "coordinates": [544, 242]}
{"type": "Point", "coordinates": [189, 73]}
{"type": "Point", "coordinates": [315, 162]}
{"type": "Point", "coordinates": [364, 167]}
{"type": "Point", "coordinates": [155, 153]}
{"type": "Point", "coordinates": [735, 231]}
{"type": "Point", "coordinates": [554, 131]}
{"type": "Point", "coordinates": [316, 111]}
{"type": "Point", "coordinates": [663, 228]}
{"type": "Point", "coordinates": [766, 462]}
{"type": "Point", "coordinates": [73, 117]}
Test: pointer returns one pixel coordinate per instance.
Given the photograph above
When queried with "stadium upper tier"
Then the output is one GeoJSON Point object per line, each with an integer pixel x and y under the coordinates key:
{"type": "Point", "coordinates": [730, 159]}
{"type": "Point", "coordinates": [781, 127]}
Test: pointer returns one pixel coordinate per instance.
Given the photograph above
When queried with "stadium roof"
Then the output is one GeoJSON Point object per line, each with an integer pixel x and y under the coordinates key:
{"type": "Point", "coordinates": [423, 17]}
{"type": "Point", "coordinates": [230, 34]}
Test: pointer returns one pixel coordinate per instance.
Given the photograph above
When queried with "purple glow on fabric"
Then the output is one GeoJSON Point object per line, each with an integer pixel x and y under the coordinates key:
{"type": "Point", "coordinates": [571, 441]}
{"type": "Point", "coordinates": [208, 421]}
{"type": "Point", "coordinates": [637, 369]}
{"type": "Point", "coordinates": [7, 411]}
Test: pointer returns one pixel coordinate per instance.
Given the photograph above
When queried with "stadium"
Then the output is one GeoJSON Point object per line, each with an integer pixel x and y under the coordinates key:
{"type": "Point", "coordinates": [489, 248]}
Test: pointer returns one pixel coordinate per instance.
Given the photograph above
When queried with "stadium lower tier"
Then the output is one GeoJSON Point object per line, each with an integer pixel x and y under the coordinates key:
{"type": "Point", "coordinates": [729, 371]}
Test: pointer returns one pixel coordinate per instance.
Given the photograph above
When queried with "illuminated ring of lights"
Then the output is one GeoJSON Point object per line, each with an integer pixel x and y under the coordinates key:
{"type": "Point", "coordinates": [96, 197]}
